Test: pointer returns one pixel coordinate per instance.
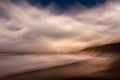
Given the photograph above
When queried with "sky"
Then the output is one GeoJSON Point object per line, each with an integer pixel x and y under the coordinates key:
{"type": "Point", "coordinates": [65, 3]}
{"type": "Point", "coordinates": [57, 25]}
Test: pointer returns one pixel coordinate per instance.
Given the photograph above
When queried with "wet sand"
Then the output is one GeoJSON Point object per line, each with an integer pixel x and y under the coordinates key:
{"type": "Point", "coordinates": [55, 67]}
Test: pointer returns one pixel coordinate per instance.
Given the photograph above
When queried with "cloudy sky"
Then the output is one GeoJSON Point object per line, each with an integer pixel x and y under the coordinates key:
{"type": "Point", "coordinates": [58, 25]}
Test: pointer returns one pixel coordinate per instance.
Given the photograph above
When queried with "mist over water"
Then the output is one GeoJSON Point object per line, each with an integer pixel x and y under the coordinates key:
{"type": "Point", "coordinates": [71, 65]}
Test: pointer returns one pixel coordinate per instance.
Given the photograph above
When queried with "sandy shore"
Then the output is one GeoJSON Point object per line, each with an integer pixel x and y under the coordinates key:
{"type": "Point", "coordinates": [53, 67]}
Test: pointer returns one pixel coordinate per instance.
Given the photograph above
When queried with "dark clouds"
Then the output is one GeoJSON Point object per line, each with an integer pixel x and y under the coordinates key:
{"type": "Point", "coordinates": [65, 3]}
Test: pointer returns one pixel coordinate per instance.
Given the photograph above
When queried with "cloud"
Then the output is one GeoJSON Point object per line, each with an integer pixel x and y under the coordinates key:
{"type": "Point", "coordinates": [25, 27]}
